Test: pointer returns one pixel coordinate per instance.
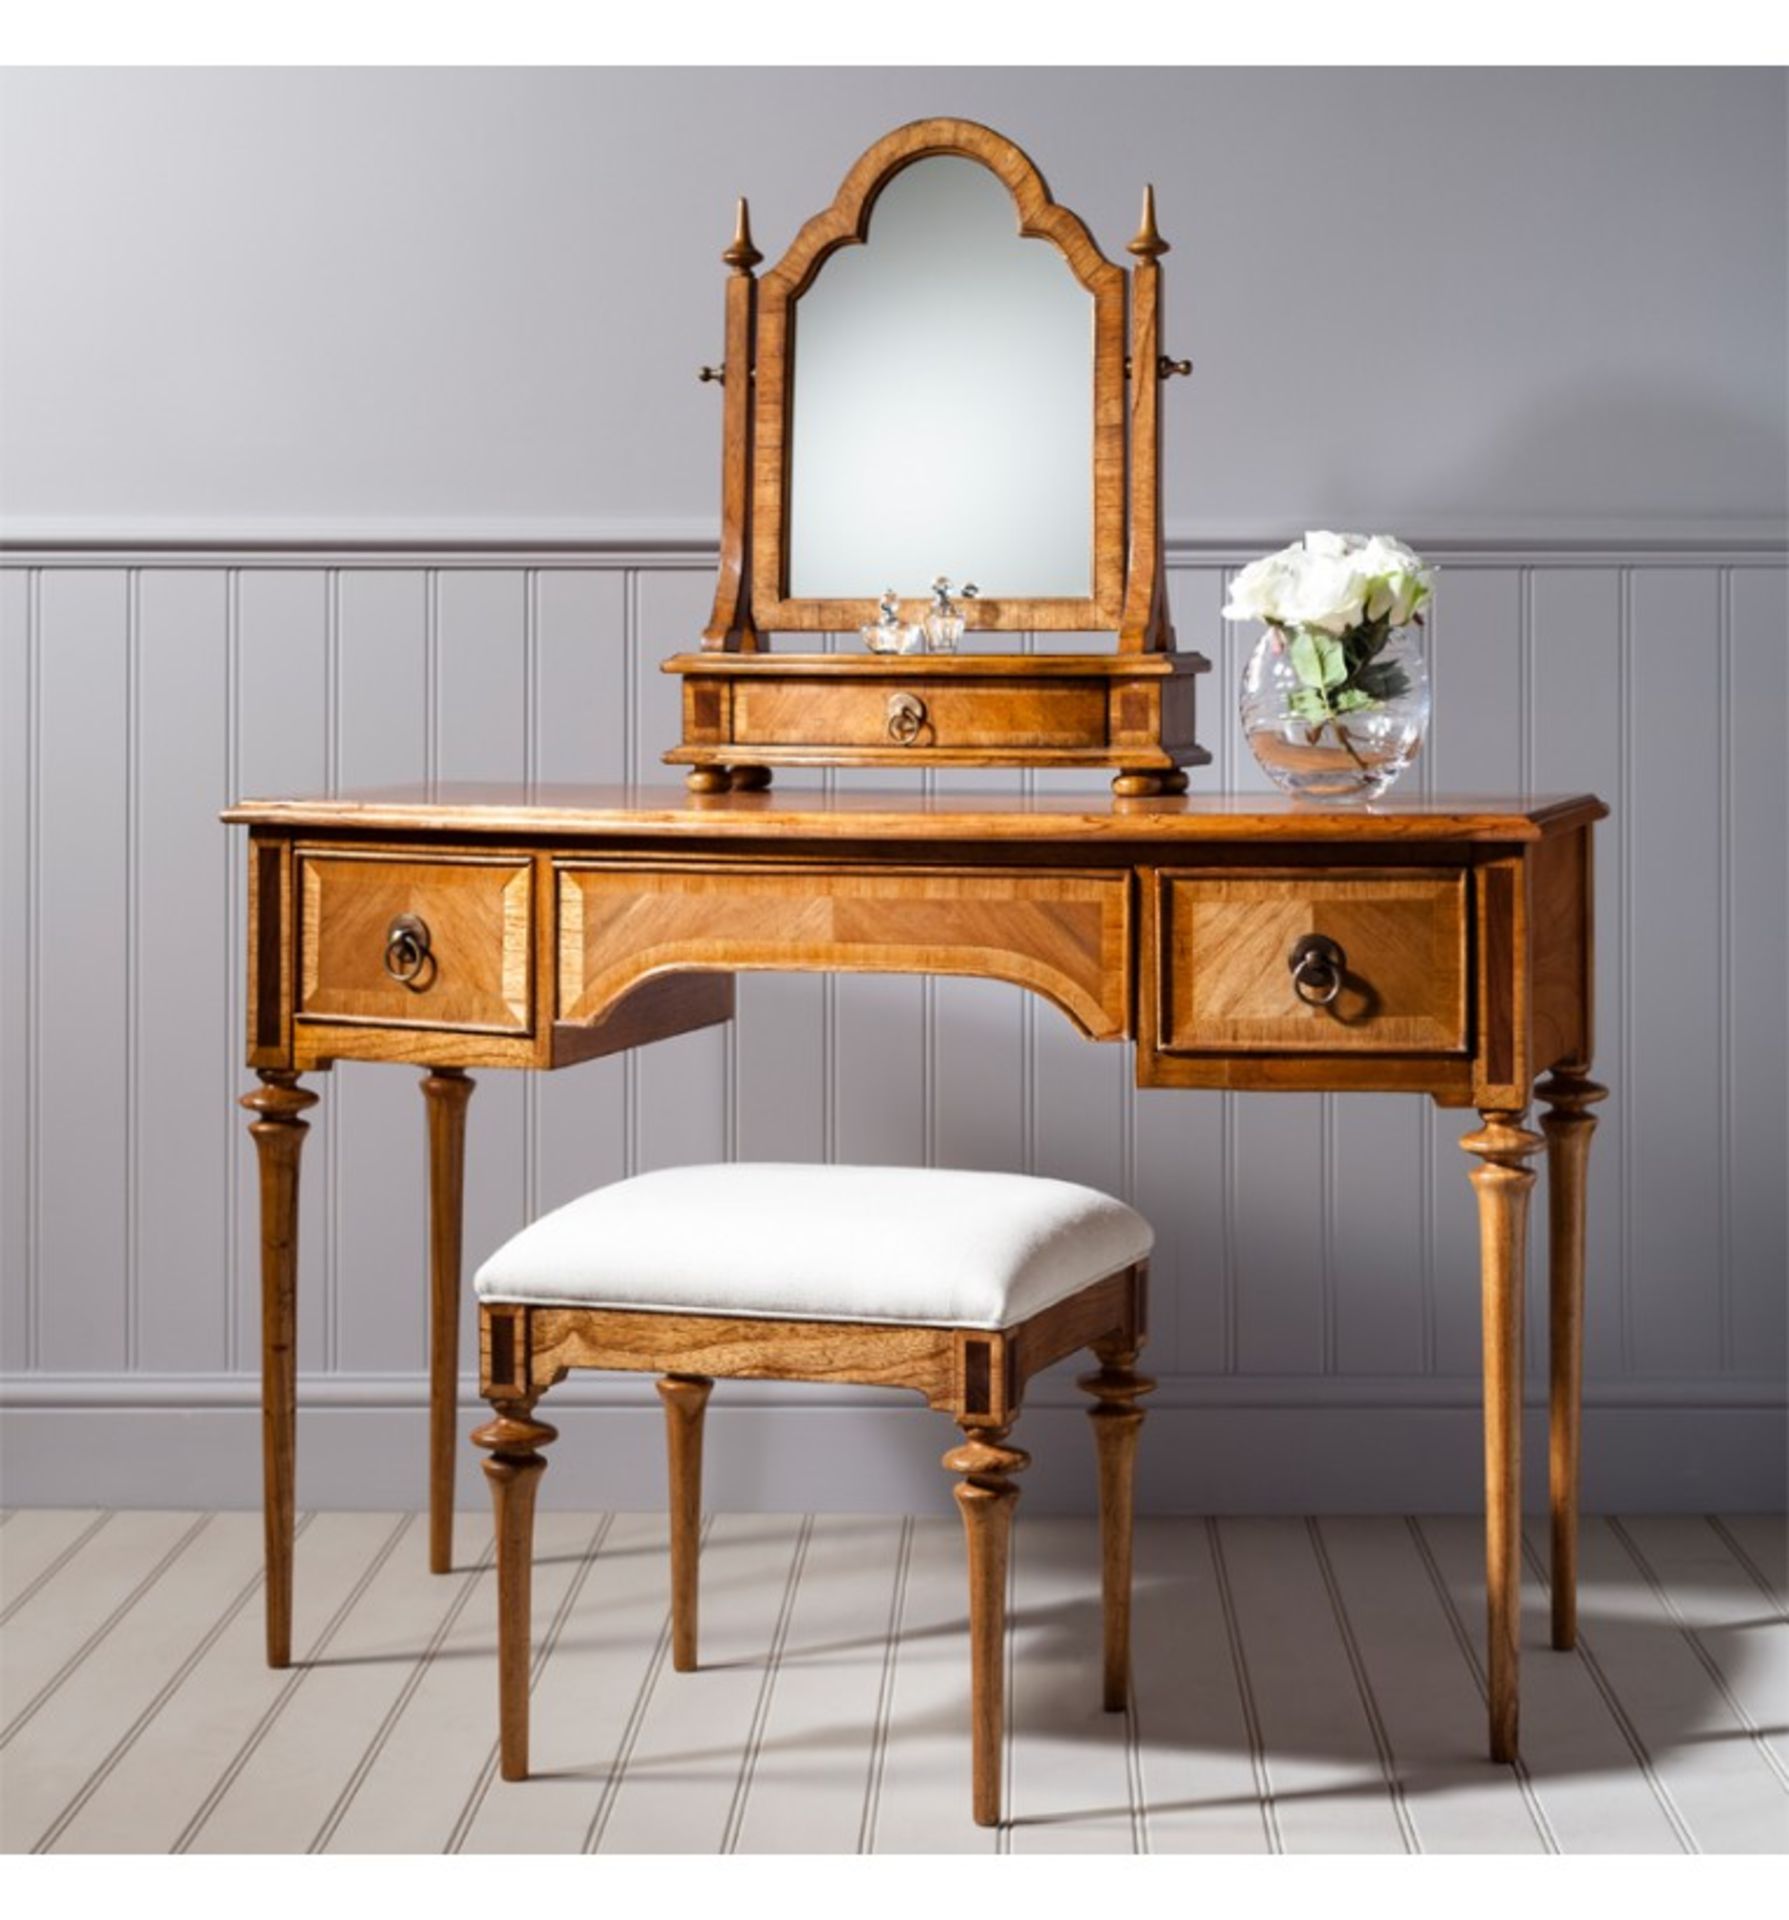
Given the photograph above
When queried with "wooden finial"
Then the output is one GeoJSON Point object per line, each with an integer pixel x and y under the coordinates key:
{"type": "Point", "coordinates": [742, 256]}
{"type": "Point", "coordinates": [1149, 244]}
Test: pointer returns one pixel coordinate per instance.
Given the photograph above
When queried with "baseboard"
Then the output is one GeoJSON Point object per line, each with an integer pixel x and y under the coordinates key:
{"type": "Point", "coordinates": [884, 1457]}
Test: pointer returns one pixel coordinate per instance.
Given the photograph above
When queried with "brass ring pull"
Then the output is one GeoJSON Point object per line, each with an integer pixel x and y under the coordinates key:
{"type": "Point", "coordinates": [1317, 965]}
{"type": "Point", "coordinates": [906, 718]}
{"type": "Point", "coordinates": [407, 956]}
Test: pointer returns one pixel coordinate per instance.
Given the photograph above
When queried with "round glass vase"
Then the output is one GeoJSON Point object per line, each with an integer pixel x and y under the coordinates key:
{"type": "Point", "coordinates": [1342, 744]}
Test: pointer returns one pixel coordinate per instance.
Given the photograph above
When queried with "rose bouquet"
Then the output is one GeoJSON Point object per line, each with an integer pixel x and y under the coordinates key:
{"type": "Point", "coordinates": [1344, 676]}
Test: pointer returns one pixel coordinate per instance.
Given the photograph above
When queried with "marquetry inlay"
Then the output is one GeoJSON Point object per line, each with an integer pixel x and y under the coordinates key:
{"type": "Point", "coordinates": [1065, 935]}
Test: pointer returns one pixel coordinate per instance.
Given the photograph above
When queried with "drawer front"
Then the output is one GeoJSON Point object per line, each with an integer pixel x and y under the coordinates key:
{"type": "Point", "coordinates": [919, 713]}
{"type": "Point", "coordinates": [1066, 935]}
{"type": "Point", "coordinates": [467, 962]}
{"type": "Point", "coordinates": [1226, 947]}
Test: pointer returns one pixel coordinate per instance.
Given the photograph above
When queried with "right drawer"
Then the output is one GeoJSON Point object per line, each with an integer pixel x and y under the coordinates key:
{"type": "Point", "coordinates": [1359, 962]}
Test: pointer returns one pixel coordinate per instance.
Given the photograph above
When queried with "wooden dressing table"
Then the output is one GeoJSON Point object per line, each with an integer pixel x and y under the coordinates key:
{"type": "Point", "coordinates": [468, 927]}
{"type": "Point", "coordinates": [972, 386]}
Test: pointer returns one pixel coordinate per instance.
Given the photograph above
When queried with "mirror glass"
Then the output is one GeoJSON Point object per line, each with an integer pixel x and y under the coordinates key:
{"type": "Point", "coordinates": [942, 403]}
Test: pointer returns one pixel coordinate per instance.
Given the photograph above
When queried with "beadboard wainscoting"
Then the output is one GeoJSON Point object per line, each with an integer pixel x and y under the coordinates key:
{"type": "Point", "coordinates": [1315, 1284]}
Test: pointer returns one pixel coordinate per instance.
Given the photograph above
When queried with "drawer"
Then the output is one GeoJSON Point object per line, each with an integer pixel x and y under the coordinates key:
{"type": "Point", "coordinates": [1066, 935]}
{"type": "Point", "coordinates": [468, 964]}
{"type": "Point", "coordinates": [1226, 946]}
{"type": "Point", "coordinates": [919, 713]}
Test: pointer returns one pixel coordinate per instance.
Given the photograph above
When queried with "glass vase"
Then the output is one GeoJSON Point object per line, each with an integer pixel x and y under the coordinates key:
{"type": "Point", "coordinates": [1341, 743]}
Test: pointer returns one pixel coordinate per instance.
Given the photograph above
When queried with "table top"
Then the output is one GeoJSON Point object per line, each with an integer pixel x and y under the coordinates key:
{"type": "Point", "coordinates": [666, 812]}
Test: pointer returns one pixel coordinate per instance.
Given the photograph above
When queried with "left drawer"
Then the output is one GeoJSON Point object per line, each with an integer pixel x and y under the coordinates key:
{"type": "Point", "coordinates": [392, 942]}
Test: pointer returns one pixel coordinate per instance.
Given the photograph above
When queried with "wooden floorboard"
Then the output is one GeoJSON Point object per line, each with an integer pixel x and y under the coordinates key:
{"type": "Point", "coordinates": [1070, 1769]}
{"type": "Point", "coordinates": [816, 1754]}
{"type": "Point", "coordinates": [66, 1620]}
{"type": "Point", "coordinates": [1728, 1795]}
{"type": "Point", "coordinates": [1429, 1704]}
{"type": "Point", "coordinates": [1760, 1542]}
{"type": "Point", "coordinates": [1595, 1783]}
{"type": "Point", "coordinates": [37, 1547]}
{"type": "Point", "coordinates": [1199, 1761]}
{"type": "Point", "coordinates": [679, 1787]}
{"type": "Point", "coordinates": [1301, 1686]}
{"type": "Point", "coordinates": [148, 1794]}
{"type": "Point", "coordinates": [1736, 1636]}
{"type": "Point", "coordinates": [1328, 1781]}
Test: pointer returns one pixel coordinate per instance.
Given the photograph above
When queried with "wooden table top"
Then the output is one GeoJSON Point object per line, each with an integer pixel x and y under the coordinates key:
{"type": "Point", "coordinates": [671, 812]}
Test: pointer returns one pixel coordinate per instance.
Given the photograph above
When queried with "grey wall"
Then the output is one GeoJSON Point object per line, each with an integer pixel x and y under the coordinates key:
{"type": "Point", "coordinates": [471, 300]}
{"type": "Point", "coordinates": [382, 307]}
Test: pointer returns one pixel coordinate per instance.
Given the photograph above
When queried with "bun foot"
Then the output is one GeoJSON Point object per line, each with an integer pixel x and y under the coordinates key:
{"type": "Point", "coordinates": [1148, 786]}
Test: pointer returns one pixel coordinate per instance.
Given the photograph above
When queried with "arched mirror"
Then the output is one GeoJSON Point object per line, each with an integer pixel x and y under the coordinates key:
{"type": "Point", "coordinates": [940, 390]}
{"type": "Point", "coordinates": [941, 406]}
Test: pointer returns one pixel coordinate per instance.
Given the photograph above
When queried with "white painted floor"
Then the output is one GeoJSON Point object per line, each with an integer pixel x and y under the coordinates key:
{"type": "Point", "coordinates": [1301, 1686]}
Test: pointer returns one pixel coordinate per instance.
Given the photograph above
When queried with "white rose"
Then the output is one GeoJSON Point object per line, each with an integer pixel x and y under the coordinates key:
{"type": "Point", "coordinates": [1259, 590]}
{"type": "Point", "coordinates": [1383, 554]}
{"type": "Point", "coordinates": [1332, 546]}
{"type": "Point", "coordinates": [1399, 582]}
{"type": "Point", "coordinates": [1329, 593]}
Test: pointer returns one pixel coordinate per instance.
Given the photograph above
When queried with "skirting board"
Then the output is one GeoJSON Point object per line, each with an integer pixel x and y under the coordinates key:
{"type": "Point", "coordinates": [1210, 1459]}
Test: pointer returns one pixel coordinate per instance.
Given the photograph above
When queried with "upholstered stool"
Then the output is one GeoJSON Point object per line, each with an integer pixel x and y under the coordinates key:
{"type": "Point", "coordinates": [960, 1285]}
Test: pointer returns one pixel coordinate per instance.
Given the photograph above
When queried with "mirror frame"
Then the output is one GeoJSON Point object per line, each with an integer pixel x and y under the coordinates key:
{"type": "Point", "coordinates": [847, 223]}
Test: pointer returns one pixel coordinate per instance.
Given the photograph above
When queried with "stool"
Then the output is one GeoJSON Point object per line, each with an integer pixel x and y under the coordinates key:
{"type": "Point", "coordinates": [960, 1285]}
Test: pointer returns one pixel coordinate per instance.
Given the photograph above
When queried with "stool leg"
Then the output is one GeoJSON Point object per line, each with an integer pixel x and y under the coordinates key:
{"type": "Point", "coordinates": [987, 1496]}
{"type": "Point", "coordinates": [686, 1400]}
{"type": "Point", "coordinates": [513, 1438]}
{"type": "Point", "coordinates": [1116, 1425]}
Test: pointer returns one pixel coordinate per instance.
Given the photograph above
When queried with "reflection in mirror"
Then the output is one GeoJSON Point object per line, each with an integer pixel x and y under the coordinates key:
{"type": "Point", "coordinates": [942, 410]}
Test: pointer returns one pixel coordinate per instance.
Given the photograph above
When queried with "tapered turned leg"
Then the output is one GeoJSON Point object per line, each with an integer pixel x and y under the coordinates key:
{"type": "Point", "coordinates": [1117, 1421]}
{"type": "Point", "coordinates": [1568, 1125]}
{"type": "Point", "coordinates": [686, 1399]}
{"type": "Point", "coordinates": [987, 1496]}
{"type": "Point", "coordinates": [513, 1439]}
{"type": "Point", "coordinates": [1503, 1147]}
{"type": "Point", "coordinates": [446, 1090]}
{"type": "Point", "coordinates": [279, 1137]}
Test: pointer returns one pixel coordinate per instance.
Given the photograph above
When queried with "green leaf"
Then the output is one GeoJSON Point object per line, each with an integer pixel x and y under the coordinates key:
{"type": "Point", "coordinates": [1317, 658]}
{"type": "Point", "coordinates": [1309, 703]}
{"type": "Point", "coordinates": [1351, 700]}
{"type": "Point", "coordinates": [1383, 680]}
{"type": "Point", "coordinates": [1369, 640]}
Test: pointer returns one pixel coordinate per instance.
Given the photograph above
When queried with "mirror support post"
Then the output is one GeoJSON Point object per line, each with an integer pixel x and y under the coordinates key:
{"type": "Point", "coordinates": [730, 628]}
{"type": "Point", "coordinates": [1146, 627]}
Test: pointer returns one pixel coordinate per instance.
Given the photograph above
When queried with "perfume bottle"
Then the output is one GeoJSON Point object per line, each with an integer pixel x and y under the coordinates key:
{"type": "Point", "coordinates": [944, 624]}
{"type": "Point", "coordinates": [891, 634]}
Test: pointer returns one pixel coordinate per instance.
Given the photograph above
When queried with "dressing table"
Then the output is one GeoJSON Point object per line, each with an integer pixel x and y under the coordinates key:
{"type": "Point", "coordinates": [1431, 946]}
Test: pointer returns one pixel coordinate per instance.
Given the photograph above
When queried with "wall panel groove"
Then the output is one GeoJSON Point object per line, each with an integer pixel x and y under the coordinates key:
{"type": "Point", "coordinates": [1310, 1251]}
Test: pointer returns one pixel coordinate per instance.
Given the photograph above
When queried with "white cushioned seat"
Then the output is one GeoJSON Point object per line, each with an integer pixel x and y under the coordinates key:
{"type": "Point", "coordinates": [915, 1245]}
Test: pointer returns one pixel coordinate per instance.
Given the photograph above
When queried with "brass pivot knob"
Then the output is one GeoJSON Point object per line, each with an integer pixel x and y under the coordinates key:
{"type": "Point", "coordinates": [407, 956]}
{"type": "Point", "coordinates": [906, 718]}
{"type": "Point", "coordinates": [1317, 965]}
{"type": "Point", "coordinates": [1166, 368]}
{"type": "Point", "coordinates": [706, 374]}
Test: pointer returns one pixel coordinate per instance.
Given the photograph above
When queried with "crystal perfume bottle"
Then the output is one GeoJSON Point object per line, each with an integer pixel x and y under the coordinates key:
{"type": "Point", "coordinates": [890, 634]}
{"type": "Point", "coordinates": [944, 624]}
